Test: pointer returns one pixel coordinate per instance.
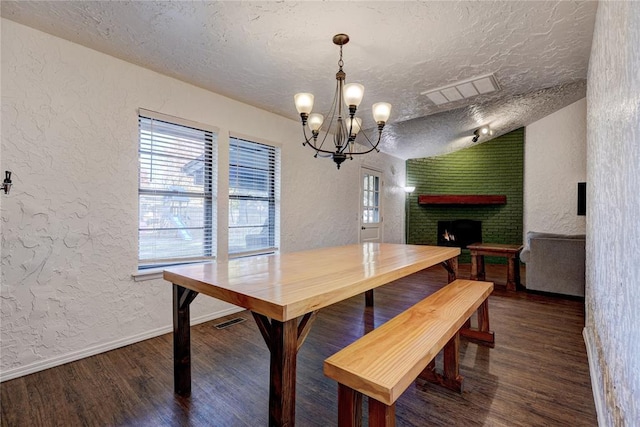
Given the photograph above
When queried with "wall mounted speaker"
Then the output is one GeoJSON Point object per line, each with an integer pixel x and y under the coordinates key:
{"type": "Point", "coordinates": [582, 198]}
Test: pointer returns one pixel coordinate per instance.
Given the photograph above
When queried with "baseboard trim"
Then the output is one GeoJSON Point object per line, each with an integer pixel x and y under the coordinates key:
{"type": "Point", "coordinates": [101, 348]}
{"type": "Point", "coordinates": [592, 357]}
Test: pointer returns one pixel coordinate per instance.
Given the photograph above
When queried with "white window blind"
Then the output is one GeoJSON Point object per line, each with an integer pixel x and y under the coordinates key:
{"type": "Point", "coordinates": [254, 197]}
{"type": "Point", "coordinates": [176, 187]}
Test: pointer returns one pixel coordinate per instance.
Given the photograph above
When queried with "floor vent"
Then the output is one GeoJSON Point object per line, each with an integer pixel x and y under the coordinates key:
{"type": "Point", "coordinates": [230, 322]}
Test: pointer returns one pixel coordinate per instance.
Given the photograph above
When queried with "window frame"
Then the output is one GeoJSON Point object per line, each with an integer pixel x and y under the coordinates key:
{"type": "Point", "coordinates": [209, 195]}
{"type": "Point", "coordinates": [273, 197]}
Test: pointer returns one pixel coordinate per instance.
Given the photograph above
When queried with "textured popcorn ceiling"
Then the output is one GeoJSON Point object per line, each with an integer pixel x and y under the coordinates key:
{"type": "Point", "coordinates": [262, 53]}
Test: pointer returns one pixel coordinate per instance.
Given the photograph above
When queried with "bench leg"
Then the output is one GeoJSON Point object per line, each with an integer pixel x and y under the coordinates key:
{"type": "Point", "coordinates": [474, 265]}
{"type": "Point", "coordinates": [429, 373]}
{"type": "Point", "coordinates": [451, 377]}
{"type": "Point", "coordinates": [482, 335]}
{"type": "Point", "coordinates": [511, 273]}
{"type": "Point", "coordinates": [517, 272]}
{"type": "Point", "coordinates": [381, 415]}
{"type": "Point", "coordinates": [349, 407]}
{"type": "Point", "coordinates": [481, 269]}
{"type": "Point", "coordinates": [483, 316]}
{"type": "Point", "coordinates": [451, 364]}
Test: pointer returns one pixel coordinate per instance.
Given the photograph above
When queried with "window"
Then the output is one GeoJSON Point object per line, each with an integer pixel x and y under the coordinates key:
{"type": "Point", "coordinates": [371, 198]}
{"type": "Point", "coordinates": [175, 190]}
{"type": "Point", "coordinates": [254, 192]}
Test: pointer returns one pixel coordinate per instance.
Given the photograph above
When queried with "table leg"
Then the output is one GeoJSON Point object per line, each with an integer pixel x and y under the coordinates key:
{"type": "Point", "coordinates": [282, 387]}
{"type": "Point", "coordinates": [451, 265]}
{"type": "Point", "coordinates": [283, 340]}
{"type": "Point", "coordinates": [182, 299]}
{"type": "Point", "coordinates": [368, 298]}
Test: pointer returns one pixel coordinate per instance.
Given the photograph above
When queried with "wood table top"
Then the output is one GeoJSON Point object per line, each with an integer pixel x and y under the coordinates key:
{"type": "Point", "coordinates": [498, 247]}
{"type": "Point", "coordinates": [286, 286]}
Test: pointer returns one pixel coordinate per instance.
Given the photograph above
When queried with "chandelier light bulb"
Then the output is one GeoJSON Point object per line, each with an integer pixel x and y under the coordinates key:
{"type": "Point", "coordinates": [315, 121]}
{"type": "Point", "coordinates": [304, 102]}
{"type": "Point", "coordinates": [381, 112]}
{"type": "Point", "coordinates": [356, 125]}
{"type": "Point", "coordinates": [353, 93]}
{"type": "Point", "coordinates": [484, 130]}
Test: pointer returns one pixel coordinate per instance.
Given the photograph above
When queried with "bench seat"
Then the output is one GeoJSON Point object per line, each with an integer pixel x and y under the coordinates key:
{"type": "Point", "coordinates": [383, 363]}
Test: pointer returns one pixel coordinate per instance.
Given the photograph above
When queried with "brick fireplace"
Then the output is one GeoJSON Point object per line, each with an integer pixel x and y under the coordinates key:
{"type": "Point", "coordinates": [476, 175]}
{"type": "Point", "coordinates": [459, 233]}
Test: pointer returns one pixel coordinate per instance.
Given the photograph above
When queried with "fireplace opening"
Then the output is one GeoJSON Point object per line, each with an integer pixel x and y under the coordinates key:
{"type": "Point", "coordinates": [459, 233]}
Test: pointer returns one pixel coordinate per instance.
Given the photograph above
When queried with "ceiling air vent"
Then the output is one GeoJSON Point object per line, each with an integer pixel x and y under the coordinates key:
{"type": "Point", "coordinates": [464, 89]}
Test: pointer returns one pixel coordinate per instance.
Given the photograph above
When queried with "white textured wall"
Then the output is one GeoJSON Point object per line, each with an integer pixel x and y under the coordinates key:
{"type": "Point", "coordinates": [613, 213]}
{"type": "Point", "coordinates": [555, 154]}
{"type": "Point", "coordinates": [69, 226]}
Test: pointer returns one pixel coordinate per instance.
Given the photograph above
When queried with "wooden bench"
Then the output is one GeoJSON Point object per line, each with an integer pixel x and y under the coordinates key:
{"type": "Point", "coordinates": [383, 363]}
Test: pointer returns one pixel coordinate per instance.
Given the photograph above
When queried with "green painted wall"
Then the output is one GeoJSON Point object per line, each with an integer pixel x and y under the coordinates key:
{"type": "Point", "coordinates": [493, 167]}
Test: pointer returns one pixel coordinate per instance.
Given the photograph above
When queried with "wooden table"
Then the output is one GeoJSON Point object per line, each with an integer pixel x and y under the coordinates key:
{"type": "Point", "coordinates": [511, 252]}
{"type": "Point", "coordinates": [284, 293]}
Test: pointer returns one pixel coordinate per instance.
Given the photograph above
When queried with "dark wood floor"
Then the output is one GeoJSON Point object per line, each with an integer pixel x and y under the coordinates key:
{"type": "Point", "coordinates": [537, 374]}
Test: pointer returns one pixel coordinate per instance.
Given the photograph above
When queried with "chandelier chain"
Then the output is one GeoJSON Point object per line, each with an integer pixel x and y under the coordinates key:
{"type": "Point", "coordinates": [340, 61]}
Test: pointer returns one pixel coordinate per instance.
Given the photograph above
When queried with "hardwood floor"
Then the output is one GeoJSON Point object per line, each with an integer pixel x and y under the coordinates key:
{"type": "Point", "coordinates": [537, 374]}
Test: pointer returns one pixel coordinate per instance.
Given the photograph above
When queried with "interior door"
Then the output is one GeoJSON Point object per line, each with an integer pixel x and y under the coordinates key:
{"type": "Point", "coordinates": [370, 205]}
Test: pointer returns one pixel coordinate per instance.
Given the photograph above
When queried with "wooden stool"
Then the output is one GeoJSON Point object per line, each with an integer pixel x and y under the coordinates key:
{"type": "Point", "coordinates": [511, 252]}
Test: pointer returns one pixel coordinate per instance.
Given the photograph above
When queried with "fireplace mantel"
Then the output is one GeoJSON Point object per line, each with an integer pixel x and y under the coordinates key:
{"type": "Point", "coordinates": [462, 199]}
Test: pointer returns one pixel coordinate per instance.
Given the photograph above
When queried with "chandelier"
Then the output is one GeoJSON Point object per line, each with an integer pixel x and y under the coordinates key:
{"type": "Point", "coordinates": [344, 127]}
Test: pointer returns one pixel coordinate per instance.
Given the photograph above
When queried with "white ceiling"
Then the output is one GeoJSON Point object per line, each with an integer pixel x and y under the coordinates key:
{"type": "Point", "coordinates": [262, 53]}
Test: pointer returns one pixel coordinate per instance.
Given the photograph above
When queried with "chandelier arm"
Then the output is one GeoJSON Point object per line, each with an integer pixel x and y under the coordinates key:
{"type": "Point", "coordinates": [309, 142]}
{"type": "Point", "coordinates": [373, 146]}
{"type": "Point", "coordinates": [326, 134]}
{"type": "Point", "coordinates": [369, 141]}
{"type": "Point", "coordinates": [320, 150]}
{"type": "Point", "coordinates": [332, 117]}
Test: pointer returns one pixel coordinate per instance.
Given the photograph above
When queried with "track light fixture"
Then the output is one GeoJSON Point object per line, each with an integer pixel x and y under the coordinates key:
{"type": "Point", "coordinates": [482, 131]}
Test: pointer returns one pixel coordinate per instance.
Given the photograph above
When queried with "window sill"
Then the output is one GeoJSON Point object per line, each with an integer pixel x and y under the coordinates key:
{"type": "Point", "coordinates": [156, 273]}
{"type": "Point", "coordinates": [148, 274]}
{"type": "Point", "coordinates": [264, 251]}
{"type": "Point", "coordinates": [152, 273]}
